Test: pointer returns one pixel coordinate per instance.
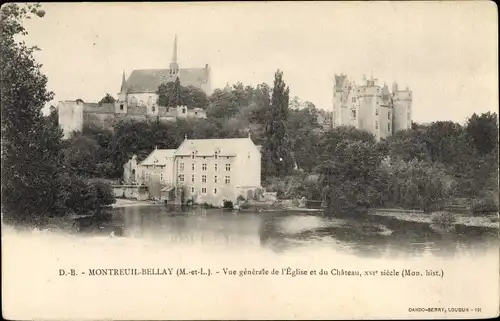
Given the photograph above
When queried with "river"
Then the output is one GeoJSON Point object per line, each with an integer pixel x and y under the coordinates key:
{"type": "Point", "coordinates": [158, 237]}
{"type": "Point", "coordinates": [370, 235]}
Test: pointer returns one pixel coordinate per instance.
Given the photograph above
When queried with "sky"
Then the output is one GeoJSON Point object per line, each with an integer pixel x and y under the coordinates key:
{"type": "Point", "coordinates": [445, 52]}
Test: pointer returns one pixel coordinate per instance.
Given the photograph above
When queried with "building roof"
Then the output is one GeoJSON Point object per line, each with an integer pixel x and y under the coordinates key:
{"type": "Point", "coordinates": [158, 157]}
{"type": "Point", "coordinates": [148, 80]}
{"type": "Point", "coordinates": [208, 147]}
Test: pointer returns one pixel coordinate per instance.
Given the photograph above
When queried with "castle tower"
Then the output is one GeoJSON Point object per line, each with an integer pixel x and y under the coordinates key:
{"type": "Point", "coordinates": [174, 66]}
{"type": "Point", "coordinates": [402, 108]}
{"type": "Point", "coordinates": [70, 116]}
{"type": "Point", "coordinates": [339, 97]}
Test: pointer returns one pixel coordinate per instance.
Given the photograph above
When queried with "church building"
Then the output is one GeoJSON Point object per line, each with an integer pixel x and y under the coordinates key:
{"type": "Point", "coordinates": [141, 86]}
{"type": "Point", "coordinates": [137, 99]}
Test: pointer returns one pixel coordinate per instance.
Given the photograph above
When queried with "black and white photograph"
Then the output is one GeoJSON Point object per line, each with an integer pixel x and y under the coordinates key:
{"type": "Point", "coordinates": [249, 160]}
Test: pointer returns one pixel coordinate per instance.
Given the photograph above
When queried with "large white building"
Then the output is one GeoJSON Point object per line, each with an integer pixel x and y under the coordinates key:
{"type": "Point", "coordinates": [204, 170]}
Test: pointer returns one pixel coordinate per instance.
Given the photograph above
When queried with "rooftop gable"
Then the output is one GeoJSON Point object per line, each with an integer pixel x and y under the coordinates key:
{"type": "Point", "coordinates": [208, 147]}
{"type": "Point", "coordinates": [158, 157]}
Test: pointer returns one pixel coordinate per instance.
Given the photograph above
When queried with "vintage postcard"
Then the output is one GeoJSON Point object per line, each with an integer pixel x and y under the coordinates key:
{"type": "Point", "coordinates": [249, 160]}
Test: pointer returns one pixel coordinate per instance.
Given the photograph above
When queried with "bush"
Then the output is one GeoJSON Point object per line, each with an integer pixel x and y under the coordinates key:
{"type": "Point", "coordinates": [484, 205]}
{"type": "Point", "coordinates": [227, 204]}
{"type": "Point", "coordinates": [103, 193]}
{"type": "Point", "coordinates": [443, 218]}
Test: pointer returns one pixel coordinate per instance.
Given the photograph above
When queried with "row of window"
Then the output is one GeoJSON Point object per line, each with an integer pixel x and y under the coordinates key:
{"type": "Point", "coordinates": [204, 190]}
{"type": "Point", "coordinates": [388, 126]}
{"type": "Point", "coordinates": [227, 179]}
{"type": "Point", "coordinates": [204, 167]}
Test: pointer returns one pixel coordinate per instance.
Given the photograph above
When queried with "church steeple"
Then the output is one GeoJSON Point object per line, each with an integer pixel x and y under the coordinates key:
{"type": "Point", "coordinates": [174, 66]}
{"type": "Point", "coordinates": [124, 83]}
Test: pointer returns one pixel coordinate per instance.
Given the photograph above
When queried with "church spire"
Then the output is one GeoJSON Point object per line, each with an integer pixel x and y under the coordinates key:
{"type": "Point", "coordinates": [174, 66]}
{"type": "Point", "coordinates": [174, 54]}
{"type": "Point", "coordinates": [124, 83]}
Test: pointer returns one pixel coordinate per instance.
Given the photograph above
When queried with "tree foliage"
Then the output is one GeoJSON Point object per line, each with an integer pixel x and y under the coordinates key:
{"type": "Point", "coordinates": [173, 94]}
{"type": "Point", "coordinates": [277, 156]}
{"type": "Point", "coordinates": [107, 99]}
{"type": "Point", "coordinates": [30, 145]}
{"type": "Point", "coordinates": [36, 183]}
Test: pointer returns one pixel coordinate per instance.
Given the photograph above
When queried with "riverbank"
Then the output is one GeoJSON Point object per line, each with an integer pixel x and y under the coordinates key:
{"type": "Point", "coordinates": [421, 217]}
{"type": "Point", "coordinates": [122, 202]}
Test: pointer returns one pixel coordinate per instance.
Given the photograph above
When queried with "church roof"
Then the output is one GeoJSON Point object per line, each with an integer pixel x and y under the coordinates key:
{"type": "Point", "coordinates": [148, 80]}
{"type": "Point", "coordinates": [208, 147]}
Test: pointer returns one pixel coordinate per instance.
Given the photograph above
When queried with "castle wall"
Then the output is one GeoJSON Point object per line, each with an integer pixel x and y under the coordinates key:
{"type": "Point", "coordinates": [402, 115]}
{"type": "Point", "coordinates": [337, 108]}
{"type": "Point", "coordinates": [99, 120]}
{"type": "Point", "coordinates": [385, 123]}
{"type": "Point", "coordinates": [70, 116]}
{"type": "Point", "coordinates": [367, 114]}
{"type": "Point", "coordinates": [402, 110]}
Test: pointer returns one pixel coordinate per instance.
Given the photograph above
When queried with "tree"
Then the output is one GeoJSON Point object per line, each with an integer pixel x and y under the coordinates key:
{"type": "Point", "coordinates": [173, 94]}
{"type": "Point", "coordinates": [349, 177]}
{"type": "Point", "coordinates": [30, 145]}
{"type": "Point", "coordinates": [277, 158]}
{"type": "Point", "coordinates": [303, 138]}
{"type": "Point", "coordinates": [223, 104]}
{"type": "Point", "coordinates": [416, 184]}
{"type": "Point", "coordinates": [328, 142]}
{"type": "Point", "coordinates": [483, 132]}
{"type": "Point", "coordinates": [81, 156]}
{"type": "Point", "coordinates": [107, 99]}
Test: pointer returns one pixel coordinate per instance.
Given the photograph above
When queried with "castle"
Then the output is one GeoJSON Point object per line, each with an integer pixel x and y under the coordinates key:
{"type": "Point", "coordinates": [370, 107]}
{"type": "Point", "coordinates": [137, 99]}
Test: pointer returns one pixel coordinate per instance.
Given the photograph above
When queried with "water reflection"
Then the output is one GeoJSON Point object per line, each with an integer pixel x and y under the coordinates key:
{"type": "Point", "coordinates": [364, 236]}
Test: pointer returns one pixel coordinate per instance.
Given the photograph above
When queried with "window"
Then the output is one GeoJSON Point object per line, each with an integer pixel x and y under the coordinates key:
{"type": "Point", "coordinates": [153, 109]}
{"type": "Point", "coordinates": [121, 106]}
{"type": "Point", "coordinates": [353, 113]}
{"type": "Point", "coordinates": [248, 155]}
{"type": "Point", "coordinates": [389, 115]}
{"type": "Point", "coordinates": [192, 167]}
{"type": "Point", "coordinates": [203, 167]}
{"type": "Point", "coordinates": [204, 178]}
{"type": "Point", "coordinates": [376, 111]}
{"type": "Point", "coordinates": [228, 167]}
{"type": "Point", "coordinates": [196, 113]}
{"type": "Point", "coordinates": [216, 155]}
{"type": "Point", "coordinates": [192, 155]}
{"type": "Point", "coordinates": [353, 99]}
{"type": "Point", "coordinates": [389, 127]}
{"type": "Point", "coordinates": [215, 179]}
{"type": "Point", "coordinates": [192, 178]}
{"type": "Point", "coordinates": [192, 189]}
{"type": "Point", "coordinates": [181, 167]}
{"type": "Point", "coordinates": [215, 167]}
{"type": "Point", "coordinates": [181, 178]}
{"type": "Point", "coordinates": [228, 180]}
{"type": "Point", "coordinates": [215, 191]}
{"type": "Point", "coordinates": [161, 176]}
{"type": "Point", "coordinates": [183, 110]}
{"type": "Point", "coordinates": [376, 124]}
{"type": "Point", "coordinates": [203, 190]}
